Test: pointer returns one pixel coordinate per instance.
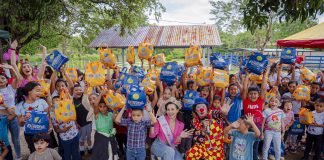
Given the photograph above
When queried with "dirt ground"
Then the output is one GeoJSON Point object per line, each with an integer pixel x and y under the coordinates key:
{"type": "Point", "coordinates": [25, 151]}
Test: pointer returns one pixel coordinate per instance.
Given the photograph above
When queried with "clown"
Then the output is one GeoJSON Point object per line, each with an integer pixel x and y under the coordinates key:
{"type": "Point", "coordinates": [208, 134]}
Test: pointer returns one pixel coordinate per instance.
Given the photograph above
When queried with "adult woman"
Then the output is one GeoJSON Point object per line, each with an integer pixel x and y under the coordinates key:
{"type": "Point", "coordinates": [169, 132]}
{"type": "Point", "coordinates": [25, 74]}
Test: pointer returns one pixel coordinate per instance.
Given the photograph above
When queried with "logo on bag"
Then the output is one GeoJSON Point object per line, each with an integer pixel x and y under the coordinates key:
{"type": "Point", "coordinates": [94, 68]}
{"type": "Point", "coordinates": [135, 96]}
{"type": "Point", "coordinates": [288, 52]}
{"type": "Point", "coordinates": [190, 95]}
{"type": "Point", "coordinates": [105, 54]}
{"type": "Point", "coordinates": [169, 67]}
{"type": "Point", "coordinates": [259, 58]}
{"type": "Point", "coordinates": [130, 80]}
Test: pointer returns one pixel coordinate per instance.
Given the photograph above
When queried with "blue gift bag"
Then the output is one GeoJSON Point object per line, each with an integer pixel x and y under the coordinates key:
{"type": "Point", "coordinates": [297, 128]}
{"type": "Point", "coordinates": [56, 59]}
{"type": "Point", "coordinates": [282, 149]}
{"type": "Point", "coordinates": [138, 72]}
{"type": "Point", "coordinates": [37, 123]}
{"type": "Point", "coordinates": [288, 56]}
{"type": "Point", "coordinates": [217, 61]}
{"type": "Point", "coordinates": [242, 67]}
{"type": "Point", "coordinates": [257, 63]}
{"type": "Point", "coordinates": [189, 99]}
{"type": "Point", "coordinates": [122, 75]}
{"type": "Point", "coordinates": [181, 69]}
{"type": "Point", "coordinates": [136, 98]}
{"type": "Point", "coordinates": [169, 73]}
{"type": "Point", "coordinates": [129, 80]}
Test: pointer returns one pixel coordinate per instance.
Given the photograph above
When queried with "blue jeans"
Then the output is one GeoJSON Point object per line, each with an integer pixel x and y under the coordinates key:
{"type": "Point", "coordinates": [14, 131]}
{"type": "Point", "coordinates": [71, 149]}
{"type": "Point", "coordinates": [275, 137]}
{"type": "Point", "coordinates": [164, 151]}
{"type": "Point", "coordinates": [135, 153]}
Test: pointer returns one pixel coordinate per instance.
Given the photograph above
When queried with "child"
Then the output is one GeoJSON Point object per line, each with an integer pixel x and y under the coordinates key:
{"type": "Point", "coordinates": [105, 133]}
{"type": "Point", "coordinates": [289, 119]}
{"type": "Point", "coordinates": [41, 142]}
{"type": "Point", "coordinates": [136, 132]}
{"type": "Point", "coordinates": [315, 88]}
{"type": "Point", "coordinates": [3, 150]}
{"type": "Point", "coordinates": [295, 103]}
{"type": "Point", "coordinates": [236, 103]}
{"type": "Point", "coordinates": [216, 105]}
{"type": "Point", "coordinates": [242, 143]}
{"type": "Point", "coordinates": [315, 131]}
{"type": "Point", "coordinates": [273, 125]}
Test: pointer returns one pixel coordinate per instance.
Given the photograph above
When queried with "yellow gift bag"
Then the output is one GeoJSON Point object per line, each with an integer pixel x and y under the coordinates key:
{"type": "Point", "coordinates": [45, 84]}
{"type": "Point", "coordinates": [306, 75]}
{"type": "Point", "coordinates": [149, 85]}
{"type": "Point", "coordinates": [270, 94]}
{"type": "Point", "coordinates": [159, 60]}
{"type": "Point", "coordinates": [95, 74]}
{"type": "Point", "coordinates": [114, 101]}
{"type": "Point", "coordinates": [108, 58]}
{"type": "Point", "coordinates": [193, 56]}
{"type": "Point", "coordinates": [257, 78]}
{"type": "Point", "coordinates": [130, 56]}
{"type": "Point", "coordinates": [306, 116]}
{"type": "Point", "coordinates": [153, 74]}
{"type": "Point", "coordinates": [302, 93]}
{"type": "Point", "coordinates": [204, 76]}
{"type": "Point", "coordinates": [65, 109]}
{"type": "Point", "coordinates": [220, 78]}
{"type": "Point", "coordinates": [72, 73]}
{"type": "Point", "coordinates": [145, 50]}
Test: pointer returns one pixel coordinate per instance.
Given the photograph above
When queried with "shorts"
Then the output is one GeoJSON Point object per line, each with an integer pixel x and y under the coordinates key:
{"type": "Point", "coordinates": [85, 133]}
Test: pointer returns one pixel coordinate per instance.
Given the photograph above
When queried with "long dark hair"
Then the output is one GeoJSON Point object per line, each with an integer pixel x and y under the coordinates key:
{"type": "Point", "coordinates": [179, 114]}
{"type": "Point", "coordinates": [22, 92]}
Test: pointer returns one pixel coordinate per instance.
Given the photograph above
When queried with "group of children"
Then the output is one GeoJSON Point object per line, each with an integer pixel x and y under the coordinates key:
{"type": "Point", "coordinates": [229, 122]}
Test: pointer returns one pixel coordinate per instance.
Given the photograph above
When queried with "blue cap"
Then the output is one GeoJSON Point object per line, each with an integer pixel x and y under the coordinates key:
{"type": "Point", "coordinates": [201, 101]}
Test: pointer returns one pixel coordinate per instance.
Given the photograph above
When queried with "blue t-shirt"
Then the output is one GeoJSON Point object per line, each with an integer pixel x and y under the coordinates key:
{"type": "Point", "coordinates": [242, 146]}
{"type": "Point", "coordinates": [236, 110]}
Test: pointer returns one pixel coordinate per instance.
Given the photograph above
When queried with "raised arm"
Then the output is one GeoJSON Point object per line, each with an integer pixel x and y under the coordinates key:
{"type": "Point", "coordinates": [254, 127]}
{"type": "Point", "coordinates": [244, 91]}
{"type": "Point", "coordinates": [42, 67]}
{"type": "Point", "coordinates": [119, 115]}
{"type": "Point", "coordinates": [68, 79]}
{"type": "Point", "coordinates": [293, 72]}
{"type": "Point", "coordinates": [14, 84]}
{"type": "Point", "coordinates": [279, 71]}
{"type": "Point", "coordinates": [13, 61]}
{"type": "Point", "coordinates": [264, 83]}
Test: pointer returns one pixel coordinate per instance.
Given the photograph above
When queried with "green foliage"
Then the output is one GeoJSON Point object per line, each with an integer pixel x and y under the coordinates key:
{"type": "Point", "coordinates": [256, 12]}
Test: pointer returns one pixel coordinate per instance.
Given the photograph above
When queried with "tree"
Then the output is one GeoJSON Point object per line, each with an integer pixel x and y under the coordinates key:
{"type": "Point", "coordinates": [36, 19]}
{"type": "Point", "coordinates": [255, 12]}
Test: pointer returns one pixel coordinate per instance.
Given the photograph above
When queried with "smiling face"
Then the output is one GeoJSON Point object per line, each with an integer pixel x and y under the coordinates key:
{"type": "Point", "coordinates": [319, 107]}
{"type": "Point", "coordinates": [201, 110]}
{"type": "Point", "coordinates": [233, 90]}
{"type": "Point", "coordinates": [217, 103]}
{"type": "Point", "coordinates": [40, 146]}
{"type": "Point", "coordinates": [292, 87]}
{"type": "Point", "coordinates": [35, 93]}
{"type": "Point", "coordinates": [253, 95]}
{"type": "Point", "coordinates": [166, 94]}
{"type": "Point", "coordinates": [60, 86]}
{"type": "Point", "coordinates": [92, 99]}
{"type": "Point", "coordinates": [77, 92]}
{"type": "Point", "coordinates": [274, 102]}
{"type": "Point", "coordinates": [26, 69]}
{"type": "Point", "coordinates": [315, 88]}
{"type": "Point", "coordinates": [233, 79]}
{"type": "Point", "coordinates": [204, 92]}
{"type": "Point", "coordinates": [3, 81]}
{"type": "Point", "coordinates": [137, 115]}
{"type": "Point", "coordinates": [103, 108]}
{"type": "Point", "coordinates": [172, 111]}
{"type": "Point", "coordinates": [287, 106]}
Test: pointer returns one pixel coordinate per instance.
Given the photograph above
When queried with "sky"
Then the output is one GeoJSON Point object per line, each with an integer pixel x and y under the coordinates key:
{"type": "Point", "coordinates": [186, 12]}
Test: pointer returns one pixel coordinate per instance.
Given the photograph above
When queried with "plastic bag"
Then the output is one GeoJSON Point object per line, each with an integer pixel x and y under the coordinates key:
{"type": "Point", "coordinates": [149, 86]}
{"type": "Point", "coordinates": [189, 99]}
{"type": "Point", "coordinates": [271, 93]}
{"type": "Point", "coordinates": [145, 50]}
{"type": "Point", "coordinates": [138, 72]}
{"type": "Point", "coordinates": [136, 98]}
{"type": "Point", "coordinates": [257, 78]}
{"type": "Point", "coordinates": [288, 56]}
{"type": "Point", "coordinates": [193, 56]}
{"type": "Point", "coordinates": [130, 56]}
{"type": "Point", "coordinates": [45, 85]}
{"type": "Point", "coordinates": [107, 57]}
{"type": "Point", "coordinates": [65, 109]}
{"type": "Point", "coordinates": [114, 101]}
{"type": "Point", "coordinates": [153, 74]}
{"type": "Point", "coordinates": [220, 78]}
{"type": "Point", "coordinates": [72, 73]}
{"type": "Point", "coordinates": [56, 60]}
{"type": "Point", "coordinates": [306, 116]}
{"type": "Point", "coordinates": [37, 123]}
{"type": "Point", "coordinates": [169, 73]}
{"type": "Point", "coordinates": [129, 80]}
{"type": "Point", "coordinates": [302, 93]}
{"type": "Point", "coordinates": [257, 63]}
{"type": "Point", "coordinates": [217, 61]}
{"type": "Point", "coordinates": [122, 75]}
{"type": "Point", "coordinates": [243, 65]}
{"type": "Point", "coordinates": [95, 74]}
{"type": "Point", "coordinates": [159, 60]}
{"type": "Point", "coordinates": [297, 128]}
{"type": "Point", "coordinates": [306, 75]}
{"type": "Point", "coordinates": [204, 76]}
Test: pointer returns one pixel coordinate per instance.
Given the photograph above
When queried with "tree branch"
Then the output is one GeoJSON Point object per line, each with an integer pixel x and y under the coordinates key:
{"type": "Point", "coordinates": [35, 35]}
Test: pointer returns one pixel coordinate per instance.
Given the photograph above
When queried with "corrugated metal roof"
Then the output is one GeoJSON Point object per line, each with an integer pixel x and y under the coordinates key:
{"type": "Point", "coordinates": [161, 36]}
